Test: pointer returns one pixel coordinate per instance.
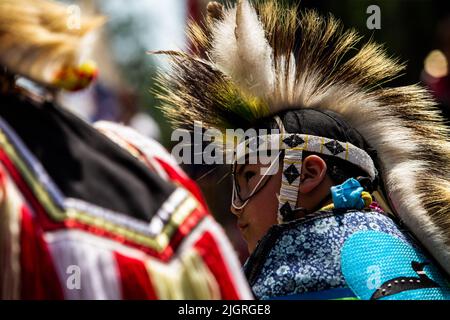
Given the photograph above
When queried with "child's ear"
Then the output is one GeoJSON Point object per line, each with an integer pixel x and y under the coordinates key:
{"type": "Point", "coordinates": [314, 170]}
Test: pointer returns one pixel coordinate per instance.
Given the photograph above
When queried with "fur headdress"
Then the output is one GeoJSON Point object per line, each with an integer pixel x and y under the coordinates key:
{"type": "Point", "coordinates": [37, 42]}
{"type": "Point", "coordinates": [246, 65]}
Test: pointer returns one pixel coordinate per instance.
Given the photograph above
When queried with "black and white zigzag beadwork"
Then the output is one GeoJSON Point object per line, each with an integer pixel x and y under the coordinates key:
{"type": "Point", "coordinates": [293, 141]}
{"type": "Point", "coordinates": [291, 173]}
{"type": "Point", "coordinates": [303, 142]}
{"type": "Point", "coordinates": [334, 147]}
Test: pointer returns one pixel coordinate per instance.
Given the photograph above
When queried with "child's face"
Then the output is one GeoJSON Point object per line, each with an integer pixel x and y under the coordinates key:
{"type": "Point", "coordinates": [260, 213]}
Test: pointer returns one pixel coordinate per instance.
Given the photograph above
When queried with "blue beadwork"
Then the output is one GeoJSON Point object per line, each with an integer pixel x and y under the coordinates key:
{"type": "Point", "coordinates": [306, 256]}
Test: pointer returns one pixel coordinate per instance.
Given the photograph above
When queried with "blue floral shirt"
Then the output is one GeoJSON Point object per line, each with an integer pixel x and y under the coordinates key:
{"type": "Point", "coordinates": [343, 254]}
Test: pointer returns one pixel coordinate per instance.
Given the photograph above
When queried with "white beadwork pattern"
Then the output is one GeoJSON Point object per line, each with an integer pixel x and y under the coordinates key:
{"type": "Point", "coordinates": [311, 143]}
{"type": "Point", "coordinates": [289, 190]}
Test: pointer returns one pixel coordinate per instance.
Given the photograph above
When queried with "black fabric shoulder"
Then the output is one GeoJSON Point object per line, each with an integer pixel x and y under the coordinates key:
{"type": "Point", "coordinates": [83, 163]}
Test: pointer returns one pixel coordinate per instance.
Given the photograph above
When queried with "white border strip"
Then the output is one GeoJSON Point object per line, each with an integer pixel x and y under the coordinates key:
{"type": "Point", "coordinates": [311, 143]}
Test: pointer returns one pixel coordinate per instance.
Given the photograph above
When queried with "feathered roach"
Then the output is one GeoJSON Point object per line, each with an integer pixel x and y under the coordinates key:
{"type": "Point", "coordinates": [247, 66]}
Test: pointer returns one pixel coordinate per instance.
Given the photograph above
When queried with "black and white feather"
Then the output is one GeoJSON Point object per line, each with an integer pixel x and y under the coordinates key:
{"type": "Point", "coordinates": [247, 66]}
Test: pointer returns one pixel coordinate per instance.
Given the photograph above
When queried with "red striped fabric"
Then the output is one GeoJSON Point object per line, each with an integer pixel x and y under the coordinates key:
{"type": "Point", "coordinates": [208, 248]}
{"type": "Point", "coordinates": [134, 279]}
{"type": "Point", "coordinates": [41, 269]}
{"type": "Point", "coordinates": [39, 279]}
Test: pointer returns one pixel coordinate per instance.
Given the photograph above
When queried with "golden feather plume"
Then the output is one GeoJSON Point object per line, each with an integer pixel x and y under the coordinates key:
{"type": "Point", "coordinates": [35, 40]}
{"type": "Point", "coordinates": [316, 64]}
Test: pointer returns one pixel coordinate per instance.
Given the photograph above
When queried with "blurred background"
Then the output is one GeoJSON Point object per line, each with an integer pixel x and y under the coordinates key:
{"type": "Point", "coordinates": [417, 31]}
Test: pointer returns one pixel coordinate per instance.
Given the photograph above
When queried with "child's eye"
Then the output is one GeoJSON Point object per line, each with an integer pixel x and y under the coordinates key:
{"type": "Point", "coordinates": [248, 175]}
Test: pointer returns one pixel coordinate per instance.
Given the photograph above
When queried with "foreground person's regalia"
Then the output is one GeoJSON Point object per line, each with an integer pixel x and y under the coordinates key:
{"type": "Point", "coordinates": [92, 213]}
{"type": "Point", "coordinates": [262, 67]}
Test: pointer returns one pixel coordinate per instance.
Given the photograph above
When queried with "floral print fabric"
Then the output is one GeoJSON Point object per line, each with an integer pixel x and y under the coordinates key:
{"type": "Point", "coordinates": [306, 255]}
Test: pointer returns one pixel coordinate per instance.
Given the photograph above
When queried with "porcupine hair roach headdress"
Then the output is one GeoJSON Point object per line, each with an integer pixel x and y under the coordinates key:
{"type": "Point", "coordinates": [37, 42]}
{"type": "Point", "coordinates": [246, 66]}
